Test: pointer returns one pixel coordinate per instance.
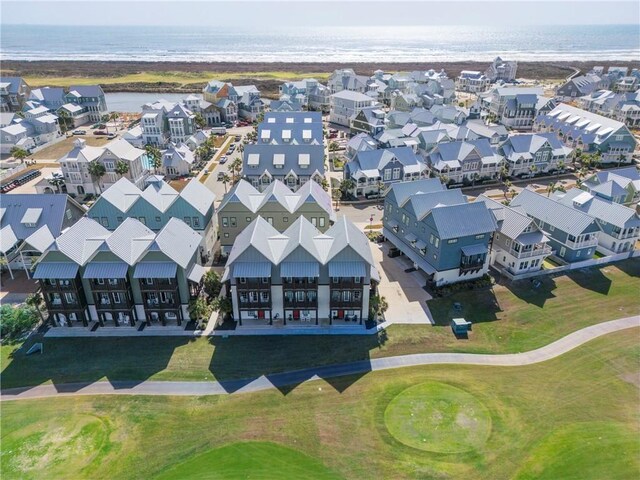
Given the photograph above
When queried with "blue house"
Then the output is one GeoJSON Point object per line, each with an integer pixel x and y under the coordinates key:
{"type": "Point", "coordinates": [572, 234]}
{"type": "Point", "coordinates": [438, 230]}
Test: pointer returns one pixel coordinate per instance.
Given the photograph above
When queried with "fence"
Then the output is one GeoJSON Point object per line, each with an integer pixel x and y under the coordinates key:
{"type": "Point", "coordinates": [6, 173]}
{"type": "Point", "coordinates": [573, 266]}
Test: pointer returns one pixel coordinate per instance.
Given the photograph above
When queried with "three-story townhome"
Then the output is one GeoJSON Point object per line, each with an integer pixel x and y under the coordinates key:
{"type": "Point", "coordinates": [530, 154]}
{"type": "Point", "coordinates": [445, 237]}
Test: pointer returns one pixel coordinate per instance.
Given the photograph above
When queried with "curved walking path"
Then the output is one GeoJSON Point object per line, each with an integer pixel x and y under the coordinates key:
{"type": "Point", "coordinates": [151, 387]}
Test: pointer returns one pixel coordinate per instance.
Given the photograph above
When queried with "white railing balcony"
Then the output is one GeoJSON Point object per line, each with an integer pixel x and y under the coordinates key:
{"type": "Point", "coordinates": [546, 250]}
{"type": "Point", "coordinates": [624, 236]}
{"type": "Point", "coordinates": [583, 243]}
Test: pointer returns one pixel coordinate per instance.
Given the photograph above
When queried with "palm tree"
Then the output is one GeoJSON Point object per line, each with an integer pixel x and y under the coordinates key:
{"type": "Point", "coordinates": [122, 168]}
{"type": "Point", "coordinates": [474, 179]}
{"type": "Point", "coordinates": [336, 194]}
{"type": "Point", "coordinates": [56, 181]}
{"type": "Point", "coordinates": [333, 146]}
{"type": "Point", "coordinates": [621, 158]}
{"type": "Point", "coordinates": [561, 165]}
{"type": "Point", "coordinates": [236, 168]}
{"type": "Point", "coordinates": [532, 170]}
{"type": "Point", "coordinates": [552, 187]}
{"type": "Point", "coordinates": [346, 186]}
{"type": "Point", "coordinates": [35, 300]}
{"type": "Point", "coordinates": [64, 117]}
{"type": "Point", "coordinates": [200, 121]}
{"type": "Point", "coordinates": [225, 180]}
{"type": "Point", "coordinates": [97, 171]}
{"type": "Point", "coordinates": [19, 153]}
{"type": "Point", "coordinates": [155, 155]}
{"type": "Point", "coordinates": [113, 116]}
{"type": "Point", "coordinates": [105, 119]}
{"type": "Point", "coordinates": [380, 185]}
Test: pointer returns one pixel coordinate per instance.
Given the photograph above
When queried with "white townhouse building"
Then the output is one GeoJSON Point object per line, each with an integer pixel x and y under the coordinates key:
{"type": "Point", "coordinates": [346, 104]}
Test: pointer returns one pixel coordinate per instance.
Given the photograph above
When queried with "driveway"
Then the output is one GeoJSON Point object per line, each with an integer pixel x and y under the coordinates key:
{"type": "Point", "coordinates": [403, 291]}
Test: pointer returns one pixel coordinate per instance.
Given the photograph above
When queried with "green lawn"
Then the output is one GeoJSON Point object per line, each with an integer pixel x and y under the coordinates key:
{"type": "Point", "coordinates": [511, 318]}
{"type": "Point", "coordinates": [574, 417]}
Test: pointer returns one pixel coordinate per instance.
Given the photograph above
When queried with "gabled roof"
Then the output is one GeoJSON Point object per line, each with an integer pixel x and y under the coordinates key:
{"type": "Point", "coordinates": [14, 207]}
{"type": "Point", "coordinates": [462, 220]}
{"type": "Point", "coordinates": [82, 240]}
{"type": "Point", "coordinates": [613, 213]}
{"type": "Point", "coordinates": [130, 240]}
{"type": "Point", "coordinates": [176, 154]}
{"type": "Point", "coordinates": [87, 90]}
{"type": "Point", "coordinates": [263, 156]}
{"type": "Point", "coordinates": [379, 158]}
{"type": "Point", "coordinates": [511, 222]}
{"type": "Point", "coordinates": [400, 192]}
{"type": "Point", "coordinates": [553, 213]}
{"type": "Point", "coordinates": [178, 241]}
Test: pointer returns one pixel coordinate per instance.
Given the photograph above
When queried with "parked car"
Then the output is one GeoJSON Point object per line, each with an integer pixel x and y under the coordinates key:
{"type": "Point", "coordinates": [111, 135]}
{"type": "Point", "coordinates": [99, 132]}
{"type": "Point", "coordinates": [238, 138]}
{"type": "Point", "coordinates": [223, 159]}
{"type": "Point", "coordinates": [221, 176]}
{"type": "Point", "coordinates": [79, 132]}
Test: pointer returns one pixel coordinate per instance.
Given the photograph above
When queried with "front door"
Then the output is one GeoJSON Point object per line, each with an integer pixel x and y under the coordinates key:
{"type": "Point", "coordinates": [261, 314]}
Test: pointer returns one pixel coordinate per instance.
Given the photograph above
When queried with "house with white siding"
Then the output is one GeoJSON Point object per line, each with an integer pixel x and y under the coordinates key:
{"type": "Point", "coordinates": [346, 104]}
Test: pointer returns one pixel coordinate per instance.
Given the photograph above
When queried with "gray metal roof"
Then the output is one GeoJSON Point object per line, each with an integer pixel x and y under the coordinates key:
{"type": "Point", "coordinates": [463, 220]}
{"type": "Point", "coordinates": [610, 212]}
{"type": "Point", "coordinates": [549, 211]}
{"type": "Point", "coordinates": [52, 209]}
{"type": "Point", "coordinates": [105, 270]}
{"type": "Point", "coordinates": [400, 192]}
{"type": "Point", "coordinates": [347, 269]}
{"type": "Point", "coordinates": [155, 270]}
{"type": "Point", "coordinates": [56, 270]}
{"type": "Point", "coordinates": [511, 223]}
{"type": "Point", "coordinates": [264, 154]}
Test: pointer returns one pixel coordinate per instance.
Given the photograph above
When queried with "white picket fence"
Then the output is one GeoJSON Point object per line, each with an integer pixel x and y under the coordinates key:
{"type": "Point", "coordinates": [574, 266]}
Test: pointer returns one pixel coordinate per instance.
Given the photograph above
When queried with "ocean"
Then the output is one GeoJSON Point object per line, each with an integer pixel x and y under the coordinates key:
{"type": "Point", "coordinates": [320, 44]}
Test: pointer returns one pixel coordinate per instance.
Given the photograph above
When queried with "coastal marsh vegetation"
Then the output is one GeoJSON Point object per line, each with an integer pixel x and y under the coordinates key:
{"type": "Point", "coordinates": [547, 421]}
{"type": "Point", "coordinates": [507, 319]}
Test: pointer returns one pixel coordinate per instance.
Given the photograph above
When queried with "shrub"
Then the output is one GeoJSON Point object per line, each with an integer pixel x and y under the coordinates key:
{"type": "Point", "coordinates": [446, 290]}
{"type": "Point", "coordinates": [212, 284]}
{"type": "Point", "coordinates": [14, 321]}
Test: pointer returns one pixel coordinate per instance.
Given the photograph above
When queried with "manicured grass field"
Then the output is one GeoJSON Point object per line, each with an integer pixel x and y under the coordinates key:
{"type": "Point", "coordinates": [511, 318]}
{"type": "Point", "coordinates": [436, 417]}
{"type": "Point", "coordinates": [263, 460]}
{"type": "Point", "coordinates": [574, 417]}
{"type": "Point", "coordinates": [54, 152]}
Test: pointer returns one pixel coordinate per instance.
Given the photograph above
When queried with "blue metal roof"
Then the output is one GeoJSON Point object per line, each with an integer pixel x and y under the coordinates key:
{"type": "Point", "coordinates": [477, 249]}
{"type": "Point", "coordinates": [347, 269]}
{"type": "Point", "coordinates": [299, 269]}
{"type": "Point", "coordinates": [56, 270]}
{"type": "Point", "coordinates": [106, 270]}
{"type": "Point", "coordinates": [252, 270]}
{"type": "Point", "coordinates": [155, 270]}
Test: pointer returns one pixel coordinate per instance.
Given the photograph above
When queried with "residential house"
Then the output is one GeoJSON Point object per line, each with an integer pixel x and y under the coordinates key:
{"type": "Point", "coordinates": [618, 185]}
{"type": "Point", "coordinates": [346, 104]}
{"type": "Point", "coordinates": [518, 245]}
{"type": "Point", "coordinates": [233, 102]}
{"type": "Point", "coordinates": [14, 92]}
{"type": "Point", "coordinates": [444, 236]}
{"type": "Point", "coordinates": [208, 110]}
{"type": "Point", "coordinates": [369, 120]}
{"type": "Point", "coordinates": [163, 122]}
{"type": "Point", "coordinates": [579, 86]}
{"type": "Point", "coordinates": [130, 277]}
{"type": "Point", "coordinates": [515, 107]}
{"type": "Point", "coordinates": [156, 205]}
{"type": "Point", "coordinates": [624, 107]}
{"type": "Point", "coordinates": [619, 225]}
{"type": "Point", "coordinates": [307, 92]}
{"type": "Point", "coordinates": [291, 128]}
{"type": "Point", "coordinates": [501, 70]}
{"type": "Point", "coordinates": [134, 136]}
{"type": "Point", "coordinates": [375, 171]}
{"type": "Point", "coordinates": [628, 84]}
{"type": "Point", "coordinates": [465, 161]}
{"type": "Point", "coordinates": [534, 153]}
{"type": "Point", "coordinates": [277, 204]}
{"type": "Point", "coordinates": [37, 128]}
{"type": "Point", "coordinates": [301, 276]}
{"type": "Point", "coordinates": [198, 139]}
{"type": "Point", "coordinates": [590, 132]}
{"type": "Point", "coordinates": [573, 235]}
{"type": "Point", "coordinates": [177, 160]}
{"type": "Point", "coordinates": [472, 81]}
{"type": "Point", "coordinates": [361, 142]}
{"type": "Point", "coordinates": [91, 98]}
{"type": "Point", "coordinates": [29, 223]}
{"type": "Point", "coordinates": [75, 166]}
{"type": "Point", "coordinates": [346, 79]}
{"type": "Point", "coordinates": [285, 106]}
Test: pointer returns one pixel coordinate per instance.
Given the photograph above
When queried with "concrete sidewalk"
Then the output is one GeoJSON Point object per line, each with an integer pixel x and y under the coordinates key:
{"type": "Point", "coordinates": [548, 352]}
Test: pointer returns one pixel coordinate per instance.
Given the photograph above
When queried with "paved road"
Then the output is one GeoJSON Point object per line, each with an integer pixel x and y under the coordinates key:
{"type": "Point", "coordinates": [542, 354]}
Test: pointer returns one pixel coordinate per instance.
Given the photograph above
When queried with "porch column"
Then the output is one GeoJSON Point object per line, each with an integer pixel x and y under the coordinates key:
{"type": "Point", "coordinates": [26, 270]}
{"type": "Point", "coordinates": [8, 266]}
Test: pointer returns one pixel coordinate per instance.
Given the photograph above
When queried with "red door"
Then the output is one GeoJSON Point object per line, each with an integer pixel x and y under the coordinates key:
{"type": "Point", "coordinates": [296, 314]}
{"type": "Point", "coordinates": [340, 314]}
{"type": "Point", "coordinates": [261, 314]}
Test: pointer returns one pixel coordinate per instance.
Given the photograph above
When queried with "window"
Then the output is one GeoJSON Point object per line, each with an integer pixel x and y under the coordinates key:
{"type": "Point", "coordinates": [578, 253]}
{"type": "Point", "coordinates": [143, 220]}
{"type": "Point", "coordinates": [346, 296]}
{"type": "Point", "coordinates": [100, 281]}
{"type": "Point", "coordinates": [119, 219]}
{"type": "Point", "coordinates": [387, 174]}
{"type": "Point", "coordinates": [335, 279]}
{"type": "Point", "coordinates": [265, 279]}
{"type": "Point", "coordinates": [195, 222]}
{"type": "Point", "coordinates": [270, 220]}
{"type": "Point", "coordinates": [563, 251]}
{"type": "Point", "coordinates": [552, 228]}
{"type": "Point", "coordinates": [225, 221]}
{"type": "Point", "coordinates": [478, 237]}
{"type": "Point", "coordinates": [113, 281]}
{"type": "Point", "coordinates": [314, 221]}
{"type": "Point", "coordinates": [264, 296]}
{"type": "Point", "coordinates": [104, 221]}
{"type": "Point", "coordinates": [69, 214]}
{"type": "Point", "coordinates": [69, 297]}
{"type": "Point", "coordinates": [248, 219]}
{"type": "Point", "coordinates": [158, 219]}
{"type": "Point", "coordinates": [117, 298]}
{"type": "Point", "coordinates": [300, 295]}
{"type": "Point", "coordinates": [431, 238]}
{"type": "Point", "coordinates": [166, 297]}
{"type": "Point", "coordinates": [356, 295]}
{"type": "Point", "coordinates": [226, 234]}
{"type": "Point", "coordinates": [285, 219]}
{"type": "Point", "coordinates": [396, 173]}
{"type": "Point", "coordinates": [187, 220]}
{"type": "Point", "coordinates": [242, 280]}
{"type": "Point", "coordinates": [452, 240]}
{"type": "Point", "coordinates": [148, 281]}
{"type": "Point", "coordinates": [437, 242]}
{"type": "Point", "coordinates": [356, 279]}
{"type": "Point", "coordinates": [233, 222]}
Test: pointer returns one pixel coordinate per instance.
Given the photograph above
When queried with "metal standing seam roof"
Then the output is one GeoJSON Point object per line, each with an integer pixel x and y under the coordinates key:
{"type": "Point", "coordinates": [551, 212]}
{"type": "Point", "coordinates": [462, 220]}
{"type": "Point", "coordinates": [195, 273]}
{"type": "Point", "coordinates": [105, 270]}
{"type": "Point", "coordinates": [347, 269]}
{"type": "Point", "coordinates": [610, 212]}
{"type": "Point", "coordinates": [56, 270]}
{"type": "Point", "coordinates": [155, 270]}
{"type": "Point", "coordinates": [8, 239]}
{"type": "Point", "coordinates": [300, 269]}
{"type": "Point", "coordinates": [251, 270]}
{"type": "Point", "coordinates": [477, 249]}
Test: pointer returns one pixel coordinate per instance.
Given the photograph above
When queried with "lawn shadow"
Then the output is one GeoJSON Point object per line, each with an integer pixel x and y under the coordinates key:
{"type": "Point", "coordinates": [591, 279]}
{"type": "Point", "coordinates": [536, 290]}
{"type": "Point", "coordinates": [475, 306]}
{"type": "Point", "coordinates": [631, 267]}
{"type": "Point", "coordinates": [72, 363]}
{"type": "Point", "coordinates": [287, 361]}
